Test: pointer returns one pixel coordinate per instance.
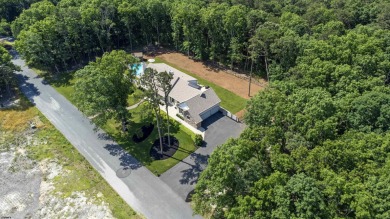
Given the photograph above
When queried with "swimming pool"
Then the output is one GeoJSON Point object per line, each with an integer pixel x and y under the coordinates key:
{"type": "Point", "coordinates": [139, 69]}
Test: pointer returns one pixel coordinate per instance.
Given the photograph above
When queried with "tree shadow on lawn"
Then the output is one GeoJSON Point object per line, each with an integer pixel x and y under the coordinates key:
{"type": "Point", "coordinates": [104, 136]}
{"type": "Point", "coordinates": [127, 161]}
{"type": "Point", "coordinates": [167, 150]}
{"type": "Point", "coordinates": [191, 175]}
{"type": "Point", "coordinates": [62, 79]}
{"type": "Point", "coordinates": [140, 150]}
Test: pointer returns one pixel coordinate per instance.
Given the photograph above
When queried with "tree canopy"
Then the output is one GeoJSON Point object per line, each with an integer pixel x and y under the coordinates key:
{"type": "Point", "coordinates": [233, 33]}
{"type": "Point", "coordinates": [7, 69]}
{"type": "Point", "coordinates": [102, 87]}
{"type": "Point", "coordinates": [317, 142]}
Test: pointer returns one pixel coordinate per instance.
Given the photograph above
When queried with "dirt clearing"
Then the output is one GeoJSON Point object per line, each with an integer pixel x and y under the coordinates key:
{"type": "Point", "coordinates": [219, 77]}
{"type": "Point", "coordinates": [43, 176]}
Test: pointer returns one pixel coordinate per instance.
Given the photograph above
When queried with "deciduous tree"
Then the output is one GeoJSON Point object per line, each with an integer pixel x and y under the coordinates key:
{"type": "Point", "coordinates": [102, 87]}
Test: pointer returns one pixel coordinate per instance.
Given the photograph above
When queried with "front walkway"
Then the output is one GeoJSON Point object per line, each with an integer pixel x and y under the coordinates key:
{"type": "Point", "coordinates": [184, 175]}
{"type": "Point", "coordinates": [135, 105]}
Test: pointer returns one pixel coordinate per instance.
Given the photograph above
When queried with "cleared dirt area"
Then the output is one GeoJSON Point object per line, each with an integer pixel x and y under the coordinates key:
{"type": "Point", "coordinates": [220, 77]}
{"type": "Point", "coordinates": [43, 176]}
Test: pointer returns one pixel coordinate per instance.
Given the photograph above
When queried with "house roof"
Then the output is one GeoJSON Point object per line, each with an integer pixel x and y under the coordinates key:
{"type": "Point", "coordinates": [193, 98]}
{"type": "Point", "coordinates": [202, 102]}
{"type": "Point", "coordinates": [184, 85]}
{"type": "Point", "coordinates": [138, 54]}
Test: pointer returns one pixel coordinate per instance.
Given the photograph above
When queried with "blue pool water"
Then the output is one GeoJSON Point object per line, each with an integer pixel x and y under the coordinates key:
{"type": "Point", "coordinates": [139, 69]}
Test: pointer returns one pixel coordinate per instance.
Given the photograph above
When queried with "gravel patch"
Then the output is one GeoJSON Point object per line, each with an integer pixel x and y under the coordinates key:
{"type": "Point", "coordinates": [26, 186]}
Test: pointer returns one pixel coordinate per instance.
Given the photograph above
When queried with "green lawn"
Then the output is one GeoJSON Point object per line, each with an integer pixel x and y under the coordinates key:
{"type": "Point", "coordinates": [7, 43]}
{"type": "Point", "coordinates": [64, 85]}
{"type": "Point", "coordinates": [63, 82]}
{"type": "Point", "coordinates": [135, 97]}
{"type": "Point", "coordinates": [66, 90]}
{"type": "Point", "coordinates": [229, 100]}
{"type": "Point", "coordinates": [141, 150]}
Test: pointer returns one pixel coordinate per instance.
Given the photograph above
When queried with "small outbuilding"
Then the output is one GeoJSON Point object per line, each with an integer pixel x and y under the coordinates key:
{"type": "Point", "coordinates": [138, 55]}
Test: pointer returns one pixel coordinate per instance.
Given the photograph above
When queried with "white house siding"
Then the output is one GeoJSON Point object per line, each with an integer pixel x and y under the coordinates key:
{"type": "Point", "coordinates": [211, 111]}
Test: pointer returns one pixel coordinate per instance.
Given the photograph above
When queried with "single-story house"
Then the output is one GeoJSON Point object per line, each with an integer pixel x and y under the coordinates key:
{"type": "Point", "coordinates": [191, 100]}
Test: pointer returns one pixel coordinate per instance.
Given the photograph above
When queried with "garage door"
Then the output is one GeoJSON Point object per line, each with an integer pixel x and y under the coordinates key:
{"type": "Point", "coordinates": [209, 112]}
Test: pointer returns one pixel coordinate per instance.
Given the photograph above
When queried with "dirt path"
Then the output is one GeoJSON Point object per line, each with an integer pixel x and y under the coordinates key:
{"type": "Point", "coordinates": [222, 78]}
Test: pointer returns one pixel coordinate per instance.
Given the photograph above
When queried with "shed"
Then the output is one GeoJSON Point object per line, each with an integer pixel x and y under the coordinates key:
{"type": "Point", "coordinates": [139, 55]}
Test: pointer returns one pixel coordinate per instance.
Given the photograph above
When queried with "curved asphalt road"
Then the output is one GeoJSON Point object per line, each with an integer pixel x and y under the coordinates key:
{"type": "Point", "coordinates": [142, 190]}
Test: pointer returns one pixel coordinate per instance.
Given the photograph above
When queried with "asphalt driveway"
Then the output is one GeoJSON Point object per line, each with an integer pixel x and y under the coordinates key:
{"type": "Point", "coordinates": [184, 175]}
{"type": "Point", "coordinates": [219, 128]}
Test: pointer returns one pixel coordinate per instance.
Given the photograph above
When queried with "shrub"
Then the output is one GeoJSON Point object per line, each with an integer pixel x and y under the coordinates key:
{"type": "Point", "coordinates": [198, 140]}
{"type": "Point", "coordinates": [179, 116]}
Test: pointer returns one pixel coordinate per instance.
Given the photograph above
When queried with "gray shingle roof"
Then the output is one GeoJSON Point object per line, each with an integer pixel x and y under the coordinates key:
{"type": "Point", "coordinates": [202, 102]}
{"type": "Point", "coordinates": [182, 91]}
{"type": "Point", "coordinates": [197, 99]}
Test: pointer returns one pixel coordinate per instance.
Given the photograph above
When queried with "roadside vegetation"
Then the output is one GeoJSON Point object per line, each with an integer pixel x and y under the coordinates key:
{"type": "Point", "coordinates": [317, 142]}
{"type": "Point", "coordinates": [74, 176]}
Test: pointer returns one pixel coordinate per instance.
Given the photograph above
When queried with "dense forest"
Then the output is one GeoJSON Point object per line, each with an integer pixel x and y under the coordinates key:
{"type": "Point", "coordinates": [317, 143]}
{"type": "Point", "coordinates": [258, 35]}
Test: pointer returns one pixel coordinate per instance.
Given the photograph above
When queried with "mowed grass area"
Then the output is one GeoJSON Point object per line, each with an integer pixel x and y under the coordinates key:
{"type": "Point", "coordinates": [77, 174]}
{"type": "Point", "coordinates": [229, 100]}
{"type": "Point", "coordinates": [64, 85]}
{"type": "Point", "coordinates": [141, 150]}
{"type": "Point", "coordinates": [135, 97]}
{"type": "Point", "coordinates": [7, 44]}
{"type": "Point", "coordinates": [62, 82]}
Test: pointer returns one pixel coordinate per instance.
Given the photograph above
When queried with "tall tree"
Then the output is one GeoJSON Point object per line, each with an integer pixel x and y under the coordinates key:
{"type": "Point", "coordinates": [103, 86]}
{"type": "Point", "coordinates": [38, 11]}
{"type": "Point", "coordinates": [10, 9]}
{"type": "Point", "coordinates": [166, 85]}
{"type": "Point", "coordinates": [149, 81]}
{"type": "Point", "coordinates": [188, 27]}
{"type": "Point", "coordinates": [300, 198]}
{"type": "Point", "coordinates": [7, 77]}
{"type": "Point", "coordinates": [42, 46]}
{"type": "Point", "coordinates": [129, 15]}
{"type": "Point", "coordinates": [100, 17]}
{"type": "Point", "coordinates": [217, 37]}
{"type": "Point", "coordinates": [235, 24]}
{"type": "Point", "coordinates": [266, 34]}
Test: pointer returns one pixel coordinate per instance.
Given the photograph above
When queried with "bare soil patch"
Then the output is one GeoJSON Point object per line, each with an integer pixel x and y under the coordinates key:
{"type": "Point", "coordinates": [241, 114]}
{"type": "Point", "coordinates": [218, 76]}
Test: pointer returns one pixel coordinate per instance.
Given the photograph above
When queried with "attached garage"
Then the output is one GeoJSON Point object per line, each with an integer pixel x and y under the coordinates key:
{"type": "Point", "coordinates": [200, 107]}
{"type": "Point", "coordinates": [211, 111]}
